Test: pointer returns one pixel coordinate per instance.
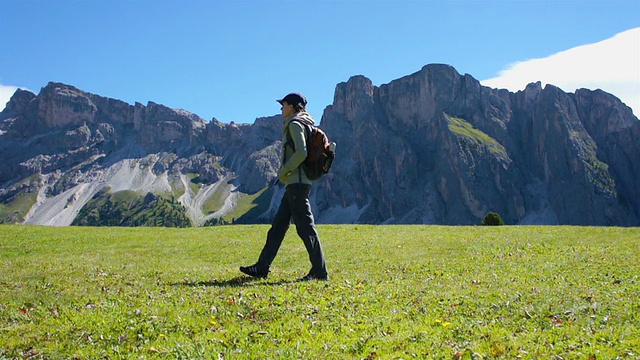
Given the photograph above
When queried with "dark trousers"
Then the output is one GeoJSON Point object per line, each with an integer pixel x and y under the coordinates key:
{"type": "Point", "coordinates": [295, 204]}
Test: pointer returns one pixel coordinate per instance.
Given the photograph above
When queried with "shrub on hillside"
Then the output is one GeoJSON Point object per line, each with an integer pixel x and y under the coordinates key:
{"type": "Point", "coordinates": [492, 219]}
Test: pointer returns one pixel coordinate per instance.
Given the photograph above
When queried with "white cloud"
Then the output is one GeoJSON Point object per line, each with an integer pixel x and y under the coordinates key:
{"type": "Point", "coordinates": [612, 65]}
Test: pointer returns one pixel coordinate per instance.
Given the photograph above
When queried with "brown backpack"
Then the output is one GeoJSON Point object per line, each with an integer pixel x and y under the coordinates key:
{"type": "Point", "coordinates": [320, 152]}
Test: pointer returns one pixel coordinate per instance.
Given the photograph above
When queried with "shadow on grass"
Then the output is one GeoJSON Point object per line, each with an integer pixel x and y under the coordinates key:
{"type": "Point", "coordinates": [234, 282]}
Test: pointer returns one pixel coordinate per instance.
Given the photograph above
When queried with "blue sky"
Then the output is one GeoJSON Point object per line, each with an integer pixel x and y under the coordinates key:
{"type": "Point", "coordinates": [232, 59]}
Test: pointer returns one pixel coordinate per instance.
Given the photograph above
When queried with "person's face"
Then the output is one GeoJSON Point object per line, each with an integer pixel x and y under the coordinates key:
{"type": "Point", "coordinates": [287, 110]}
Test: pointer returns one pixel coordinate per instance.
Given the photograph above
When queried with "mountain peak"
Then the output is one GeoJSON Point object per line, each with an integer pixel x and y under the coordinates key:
{"type": "Point", "coordinates": [19, 101]}
{"type": "Point", "coordinates": [432, 147]}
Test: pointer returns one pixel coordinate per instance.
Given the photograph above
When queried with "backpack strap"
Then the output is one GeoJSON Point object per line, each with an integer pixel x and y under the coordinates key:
{"type": "Point", "coordinates": [293, 146]}
{"type": "Point", "coordinates": [290, 140]}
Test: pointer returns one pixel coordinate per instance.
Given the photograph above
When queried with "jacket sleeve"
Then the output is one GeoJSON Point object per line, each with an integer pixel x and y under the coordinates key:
{"type": "Point", "coordinates": [296, 131]}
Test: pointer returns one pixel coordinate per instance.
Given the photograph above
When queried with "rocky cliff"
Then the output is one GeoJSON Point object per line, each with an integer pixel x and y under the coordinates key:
{"type": "Point", "coordinates": [63, 146]}
{"type": "Point", "coordinates": [437, 147]}
{"type": "Point", "coordinates": [433, 147]}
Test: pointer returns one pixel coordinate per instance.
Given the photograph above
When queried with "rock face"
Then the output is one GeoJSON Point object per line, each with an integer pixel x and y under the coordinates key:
{"type": "Point", "coordinates": [433, 147]}
{"type": "Point", "coordinates": [437, 147]}
{"type": "Point", "coordinates": [80, 143]}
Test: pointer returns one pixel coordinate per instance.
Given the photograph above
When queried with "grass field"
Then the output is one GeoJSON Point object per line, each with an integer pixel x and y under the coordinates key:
{"type": "Point", "coordinates": [396, 292]}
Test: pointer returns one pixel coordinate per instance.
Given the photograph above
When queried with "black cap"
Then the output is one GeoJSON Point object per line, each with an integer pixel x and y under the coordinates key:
{"type": "Point", "coordinates": [296, 99]}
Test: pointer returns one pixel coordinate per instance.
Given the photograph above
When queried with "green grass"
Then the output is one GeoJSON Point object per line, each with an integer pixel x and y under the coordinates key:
{"type": "Point", "coordinates": [247, 202]}
{"type": "Point", "coordinates": [177, 188]}
{"type": "Point", "coordinates": [395, 292]}
{"type": "Point", "coordinates": [216, 201]}
{"type": "Point", "coordinates": [195, 183]}
{"type": "Point", "coordinates": [15, 210]}
{"type": "Point", "coordinates": [466, 130]}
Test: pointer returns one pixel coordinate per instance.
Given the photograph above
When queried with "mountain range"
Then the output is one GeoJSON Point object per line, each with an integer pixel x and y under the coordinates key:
{"type": "Point", "coordinates": [433, 147]}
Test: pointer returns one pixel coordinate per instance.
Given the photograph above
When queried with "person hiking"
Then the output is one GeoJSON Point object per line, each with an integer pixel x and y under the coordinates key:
{"type": "Point", "coordinates": [295, 201]}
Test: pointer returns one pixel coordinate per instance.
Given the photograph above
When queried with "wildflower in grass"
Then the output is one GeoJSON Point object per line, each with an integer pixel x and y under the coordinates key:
{"type": "Point", "coordinates": [496, 350]}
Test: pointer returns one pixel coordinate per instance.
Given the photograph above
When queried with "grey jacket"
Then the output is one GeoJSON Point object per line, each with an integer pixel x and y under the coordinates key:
{"type": "Point", "coordinates": [293, 156]}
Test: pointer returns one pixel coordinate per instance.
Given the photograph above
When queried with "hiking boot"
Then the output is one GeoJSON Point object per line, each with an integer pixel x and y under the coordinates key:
{"type": "Point", "coordinates": [255, 271]}
{"type": "Point", "coordinates": [311, 277]}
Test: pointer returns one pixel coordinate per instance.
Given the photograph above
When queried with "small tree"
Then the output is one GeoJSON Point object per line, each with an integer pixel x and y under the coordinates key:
{"type": "Point", "coordinates": [492, 219]}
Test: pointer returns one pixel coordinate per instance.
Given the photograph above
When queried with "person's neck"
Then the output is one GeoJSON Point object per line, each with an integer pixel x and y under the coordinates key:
{"type": "Point", "coordinates": [293, 115]}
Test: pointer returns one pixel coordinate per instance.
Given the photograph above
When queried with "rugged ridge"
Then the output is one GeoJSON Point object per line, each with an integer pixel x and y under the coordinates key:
{"type": "Point", "coordinates": [432, 147]}
{"type": "Point", "coordinates": [437, 147]}
{"type": "Point", "coordinates": [75, 144]}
